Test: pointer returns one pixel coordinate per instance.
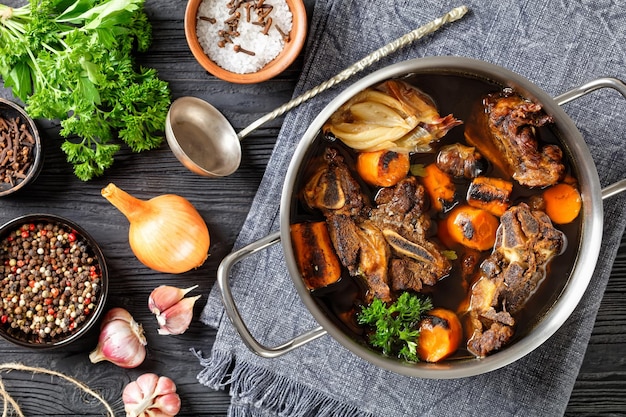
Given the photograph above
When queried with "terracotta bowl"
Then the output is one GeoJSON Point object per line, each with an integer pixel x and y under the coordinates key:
{"type": "Point", "coordinates": [291, 49]}
{"type": "Point", "coordinates": [11, 112]}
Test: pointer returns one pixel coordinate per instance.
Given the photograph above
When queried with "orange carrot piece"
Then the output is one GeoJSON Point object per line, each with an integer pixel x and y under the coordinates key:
{"type": "Point", "coordinates": [443, 233]}
{"type": "Point", "coordinates": [440, 335]}
{"type": "Point", "coordinates": [473, 227]}
{"type": "Point", "coordinates": [562, 202]}
{"type": "Point", "coordinates": [491, 194]}
{"type": "Point", "coordinates": [439, 187]}
{"type": "Point", "coordinates": [315, 255]}
{"type": "Point", "coordinates": [382, 168]}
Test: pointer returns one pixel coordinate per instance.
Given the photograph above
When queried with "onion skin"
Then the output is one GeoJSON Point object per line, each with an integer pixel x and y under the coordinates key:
{"type": "Point", "coordinates": [166, 233]}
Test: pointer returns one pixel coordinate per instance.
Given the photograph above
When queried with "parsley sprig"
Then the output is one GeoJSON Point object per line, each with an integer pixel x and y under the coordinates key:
{"type": "Point", "coordinates": [72, 60]}
{"type": "Point", "coordinates": [396, 325]}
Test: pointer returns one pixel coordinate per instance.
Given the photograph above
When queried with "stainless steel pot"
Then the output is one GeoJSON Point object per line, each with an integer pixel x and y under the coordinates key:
{"type": "Point", "coordinates": [588, 250]}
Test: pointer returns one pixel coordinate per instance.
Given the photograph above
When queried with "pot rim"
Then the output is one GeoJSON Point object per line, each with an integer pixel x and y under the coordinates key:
{"type": "Point", "coordinates": [591, 229]}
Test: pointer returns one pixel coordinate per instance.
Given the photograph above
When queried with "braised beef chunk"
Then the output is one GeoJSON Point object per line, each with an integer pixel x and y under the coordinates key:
{"type": "Point", "coordinates": [382, 245]}
{"type": "Point", "coordinates": [525, 244]}
{"type": "Point", "coordinates": [401, 217]}
{"type": "Point", "coordinates": [401, 208]}
{"type": "Point", "coordinates": [333, 188]}
{"type": "Point", "coordinates": [492, 339]}
{"type": "Point", "coordinates": [461, 161]}
{"type": "Point", "coordinates": [507, 136]}
{"type": "Point", "coordinates": [344, 233]}
{"type": "Point", "coordinates": [362, 249]}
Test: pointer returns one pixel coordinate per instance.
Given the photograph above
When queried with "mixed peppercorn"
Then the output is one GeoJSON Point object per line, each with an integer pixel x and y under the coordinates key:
{"type": "Point", "coordinates": [50, 282]}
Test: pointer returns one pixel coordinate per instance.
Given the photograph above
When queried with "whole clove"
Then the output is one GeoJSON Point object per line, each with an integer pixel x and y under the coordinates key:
{"type": "Point", "coordinates": [263, 20]}
{"type": "Point", "coordinates": [268, 24]}
{"type": "Point", "coordinates": [211, 20]}
{"type": "Point", "coordinates": [285, 36]}
{"type": "Point", "coordinates": [238, 48]}
{"type": "Point", "coordinates": [16, 150]}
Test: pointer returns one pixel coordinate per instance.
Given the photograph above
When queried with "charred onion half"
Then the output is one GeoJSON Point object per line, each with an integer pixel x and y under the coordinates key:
{"type": "Point", "coordinates": [392, 116]}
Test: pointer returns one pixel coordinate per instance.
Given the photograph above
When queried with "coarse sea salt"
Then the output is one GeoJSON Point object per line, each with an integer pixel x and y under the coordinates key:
{"type": "Point", "coordinates": [251, 39]}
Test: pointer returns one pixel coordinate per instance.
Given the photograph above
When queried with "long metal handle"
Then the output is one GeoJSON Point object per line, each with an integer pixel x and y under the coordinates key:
{"type": "Point", "coordinates": [223, 277]}
{"type": "Point", "coordinates": [451, 16]}
{"type": "Point", "coordinates": [585, 89]}
{"type": "Point", "coordinates": [614, 189]}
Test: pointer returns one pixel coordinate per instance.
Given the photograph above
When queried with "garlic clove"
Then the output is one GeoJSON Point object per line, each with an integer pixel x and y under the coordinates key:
{"type": "Point", "coordinates": [121, 341]}
{"type": "Point", "coordinates": [169, 404]}
{"type": "Point", "coordinates": [176, 319]}
{"type": "Point", "coordinates": [164, 386]}
{"type": "Point", "coordinates": [166, 296]}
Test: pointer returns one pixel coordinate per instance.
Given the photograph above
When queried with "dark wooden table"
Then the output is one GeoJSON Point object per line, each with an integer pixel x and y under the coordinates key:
{"type": "Point", "coordinates": [224, 204]}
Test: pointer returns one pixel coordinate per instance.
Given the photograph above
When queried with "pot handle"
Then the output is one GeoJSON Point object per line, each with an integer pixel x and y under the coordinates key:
{"type": "Point", "coordinates": [223, 276]}
{"type": "Point", "coordinates": [585, 89]}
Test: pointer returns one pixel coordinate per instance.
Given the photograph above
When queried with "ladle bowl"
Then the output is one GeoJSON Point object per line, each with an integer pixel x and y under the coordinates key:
{"type": "Point", "coordinates": [206, 143]}
{"type": "Point", "coordinates": [202, 138]}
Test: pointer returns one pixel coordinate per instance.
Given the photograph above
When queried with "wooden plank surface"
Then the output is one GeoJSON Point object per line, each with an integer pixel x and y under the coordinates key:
{"type": "Point", "coordinates": [224, 203]}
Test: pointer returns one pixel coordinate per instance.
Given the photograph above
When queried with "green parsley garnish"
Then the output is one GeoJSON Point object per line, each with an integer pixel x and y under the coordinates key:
{"type": "Point", "coordinates": [72, 60]}
{"type": "Point", "coordinates": [396, 326]}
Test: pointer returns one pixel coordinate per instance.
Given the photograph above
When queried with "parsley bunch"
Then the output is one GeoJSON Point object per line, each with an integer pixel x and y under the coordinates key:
{"type": "Point", "coordinates": [396, 326]}
{"type": "Point", "coordinates": [72, 60]}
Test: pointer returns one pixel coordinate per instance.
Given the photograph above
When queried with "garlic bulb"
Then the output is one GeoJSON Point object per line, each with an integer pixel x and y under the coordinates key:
{"type": "Point", "coordinates": [173, 311]}
{"type": "Point", "coordinates": [166, 232]}
{"type": "Point", "coordinates": [121, 340]}
{"type": "Point", "coordinates": [151, 396]}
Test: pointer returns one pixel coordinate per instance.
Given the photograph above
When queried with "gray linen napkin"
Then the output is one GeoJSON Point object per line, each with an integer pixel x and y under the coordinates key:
{"type": "Point", "coordinates": [557, 45]}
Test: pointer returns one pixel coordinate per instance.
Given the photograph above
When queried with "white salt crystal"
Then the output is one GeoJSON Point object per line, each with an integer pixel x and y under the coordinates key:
{"type": "Point", "coordinates": [266, 47]}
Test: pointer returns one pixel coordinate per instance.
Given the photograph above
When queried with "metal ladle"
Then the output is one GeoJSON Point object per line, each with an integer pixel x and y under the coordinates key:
{"type": "Point", "coordinates": [205, 142]}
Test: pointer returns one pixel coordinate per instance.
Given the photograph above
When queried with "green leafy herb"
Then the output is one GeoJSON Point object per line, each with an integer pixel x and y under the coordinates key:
{"type": "Point", "coordinates": [396, 326]}
{"type": "Point", "coordinates": [72, 60]}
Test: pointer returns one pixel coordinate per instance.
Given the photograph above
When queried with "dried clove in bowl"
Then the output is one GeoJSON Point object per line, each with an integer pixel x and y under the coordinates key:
{"type": "Point", "coordinates": [20, 148]}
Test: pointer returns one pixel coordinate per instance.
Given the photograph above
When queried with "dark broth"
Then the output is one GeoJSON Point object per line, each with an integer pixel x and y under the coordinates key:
{"type": "Point", "coordinates": [461, 96]}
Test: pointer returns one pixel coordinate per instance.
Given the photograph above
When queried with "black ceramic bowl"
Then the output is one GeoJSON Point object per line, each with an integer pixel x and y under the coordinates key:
{"type": "Point", "coordinates": [14, 178]}
{"type": "Point", "coordinates": [53, 281]}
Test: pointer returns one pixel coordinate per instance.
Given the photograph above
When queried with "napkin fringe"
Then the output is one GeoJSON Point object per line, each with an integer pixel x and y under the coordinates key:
{"type": "Point", "coordinates": [259, 392]}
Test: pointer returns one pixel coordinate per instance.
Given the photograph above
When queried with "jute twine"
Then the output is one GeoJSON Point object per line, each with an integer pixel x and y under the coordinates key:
{"type": "Point", "coordinates": [11, 406]}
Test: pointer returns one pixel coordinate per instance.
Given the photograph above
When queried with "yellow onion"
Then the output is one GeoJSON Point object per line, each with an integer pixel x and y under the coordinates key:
{"type": "Point", "coordinates": [166, 233]}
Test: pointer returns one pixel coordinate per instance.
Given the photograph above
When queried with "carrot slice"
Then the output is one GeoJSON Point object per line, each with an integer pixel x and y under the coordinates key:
{"type": "Point", "coordinates": [316, 258]}
{"type": "Point", "coordinates": [562, 203]}
{"type": "Point", "coordinates": [382, 168]}
{"type": "Point", "coordinates": [473, 227]}
{"type": "Point", "coordinates": [439, 187]}
{"type": "Point", "coordinates": [491, 194]}
{"type": "Point", "coordinates": [440, 335]}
